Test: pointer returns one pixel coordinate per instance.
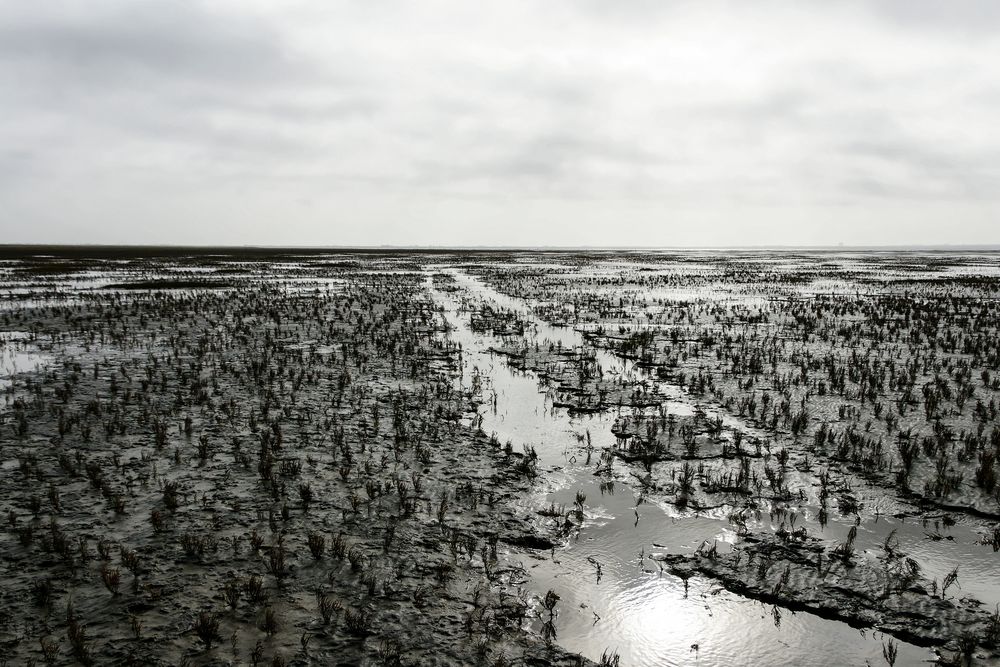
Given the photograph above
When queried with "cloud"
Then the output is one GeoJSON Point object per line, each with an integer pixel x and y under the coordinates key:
{"type": "Point", "coordinates": [364, 119]}
{"type": "Point", "coordinates": [969, 17]}
{"type": "Point", "coordinates": [128, 44]}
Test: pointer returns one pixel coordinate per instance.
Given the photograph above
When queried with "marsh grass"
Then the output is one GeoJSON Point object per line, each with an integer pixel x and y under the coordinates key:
{"type": "Point", "coordinates": [317, 544]}
{"type": "Point", "coordinates": [358, 621]}
{"type": "Point", "coordinates": [329, 607]}
{"type": "Point", "coordinates": [206, 627]}
{"type": "Point", "coordinates": [111, 578]}
{"type": "Point", "coordinates": [270, 623]}
{"type": "Point", "coordinates": [253, 588]}
{"type": "Point", "coordinates": [340, 420]}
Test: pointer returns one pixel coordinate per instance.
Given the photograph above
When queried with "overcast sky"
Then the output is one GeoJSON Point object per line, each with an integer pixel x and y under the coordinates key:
{"type": "Point", "coordinates": [432, 122]}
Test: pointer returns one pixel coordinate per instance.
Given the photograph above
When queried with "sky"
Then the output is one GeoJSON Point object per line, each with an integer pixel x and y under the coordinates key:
{"type": "Point", "coordinates": [516, 123]}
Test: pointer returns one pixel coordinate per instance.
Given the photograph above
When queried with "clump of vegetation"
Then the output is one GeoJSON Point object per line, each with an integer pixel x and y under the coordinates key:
{"type": "Point", "coordinates": [206, 626]}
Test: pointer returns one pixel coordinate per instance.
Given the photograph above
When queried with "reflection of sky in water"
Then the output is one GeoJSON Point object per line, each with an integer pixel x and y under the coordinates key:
{"type": "Point", "coordinates": [18, 356]}
{"type": "Point", "coordinates": [634, 609]}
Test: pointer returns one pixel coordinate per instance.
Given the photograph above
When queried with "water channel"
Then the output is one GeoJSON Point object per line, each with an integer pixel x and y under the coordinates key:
{"type": "Point", "coordinates": [627, 606]}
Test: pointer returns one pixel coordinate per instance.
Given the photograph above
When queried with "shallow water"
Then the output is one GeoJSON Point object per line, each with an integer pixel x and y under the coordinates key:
{"type": "Point", "coordinates": [959, 546]}
{"type": "Point", "coordinates": [632, 608]}
{"type": "Point", "coordinates": [17, 355]}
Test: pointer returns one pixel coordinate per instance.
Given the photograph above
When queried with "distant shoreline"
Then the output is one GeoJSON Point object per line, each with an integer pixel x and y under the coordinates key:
{"type": "Point", "coordinates": [16, 251]}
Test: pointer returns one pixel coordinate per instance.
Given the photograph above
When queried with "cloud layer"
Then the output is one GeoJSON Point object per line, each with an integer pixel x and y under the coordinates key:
{"type": "Point", "coordinates": [524, 123]}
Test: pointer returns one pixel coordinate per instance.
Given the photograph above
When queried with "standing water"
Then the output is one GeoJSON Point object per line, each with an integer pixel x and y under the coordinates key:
{"type": "Point", "coordinates": [613, 596]}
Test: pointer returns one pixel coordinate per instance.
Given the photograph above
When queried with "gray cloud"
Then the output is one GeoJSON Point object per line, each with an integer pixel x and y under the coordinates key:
{"type": "Point", "coordinates": [341, 122]}
{"type": "Point", "coordinates": [967, 16]}
{"type": "Point", "coordinates": [111, 44]}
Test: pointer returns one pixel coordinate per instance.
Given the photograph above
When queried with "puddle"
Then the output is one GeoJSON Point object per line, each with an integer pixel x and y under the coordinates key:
{"type": "Point", "coordinates": [18, 355]}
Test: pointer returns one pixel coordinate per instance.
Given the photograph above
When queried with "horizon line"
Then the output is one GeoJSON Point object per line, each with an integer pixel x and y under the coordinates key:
{"type": "Point", "coordinates": [946, 247]}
